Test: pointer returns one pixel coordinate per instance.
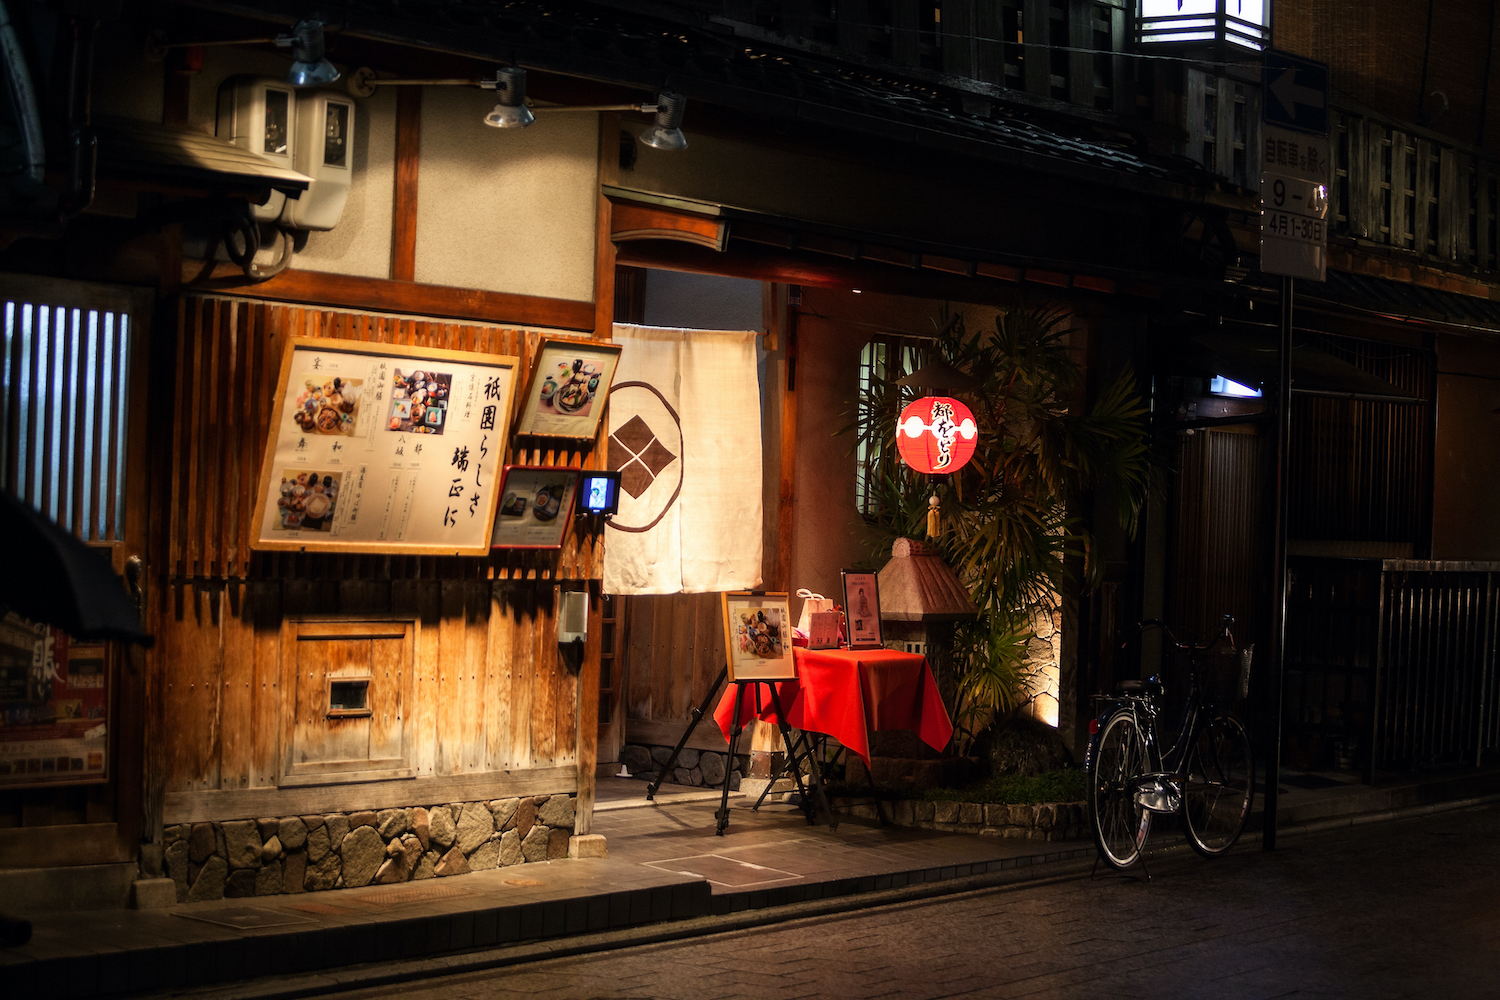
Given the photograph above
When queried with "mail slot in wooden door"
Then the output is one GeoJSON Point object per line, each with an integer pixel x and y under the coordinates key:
{"type": "Point", "coordinates": [350, 697]}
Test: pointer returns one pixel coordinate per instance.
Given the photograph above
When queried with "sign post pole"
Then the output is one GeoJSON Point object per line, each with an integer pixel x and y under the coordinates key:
{"type": "Point", "coordinates": [1294, 244]}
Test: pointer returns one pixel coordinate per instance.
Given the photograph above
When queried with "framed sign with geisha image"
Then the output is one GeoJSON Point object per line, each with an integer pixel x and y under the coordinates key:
{"type": "Point", "coordinates": [384, 448]}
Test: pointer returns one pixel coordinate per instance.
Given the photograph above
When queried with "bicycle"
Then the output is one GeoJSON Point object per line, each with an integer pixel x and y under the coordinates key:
{"type": "Point", "coordinates": [1207, 774]}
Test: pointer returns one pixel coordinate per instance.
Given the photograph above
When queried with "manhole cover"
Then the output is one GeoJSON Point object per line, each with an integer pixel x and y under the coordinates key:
{"type": "Point", "coordinates": [723, 871]}
{"type": "Point", "coordinates": [244, 918]}
{"type": "Point", "coordinates": [523, 881]}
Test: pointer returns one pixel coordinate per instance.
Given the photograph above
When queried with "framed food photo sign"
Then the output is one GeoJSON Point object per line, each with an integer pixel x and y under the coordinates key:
{"type": "Point", "coordinates": [758, 637]}
{"type": "Point", "coordinates": [567, 389]}
{"type": "Point", "coordinates": [536, 507]}
{"type": "Point", "coordinates": [383, 448]}
{"type": "Point", "coordinates": [862, 610]}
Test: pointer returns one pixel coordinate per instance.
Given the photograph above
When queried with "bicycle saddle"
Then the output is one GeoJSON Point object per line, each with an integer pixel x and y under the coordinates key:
{"type": "Point", "coordinates": [1152, 686]}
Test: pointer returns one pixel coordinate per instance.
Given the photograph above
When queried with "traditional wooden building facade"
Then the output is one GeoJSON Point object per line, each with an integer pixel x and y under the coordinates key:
{"type": "Point", "coordinates": [864, 168]}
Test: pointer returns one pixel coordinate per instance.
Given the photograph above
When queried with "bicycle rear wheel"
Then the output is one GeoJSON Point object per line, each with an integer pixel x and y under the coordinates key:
{"type": "Point", "coordinates": [1220, 786]}
{"type": "Point", "coordinates": [1120, 824]}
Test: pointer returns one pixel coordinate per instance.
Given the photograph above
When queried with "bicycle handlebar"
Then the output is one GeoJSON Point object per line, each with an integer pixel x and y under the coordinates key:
{"type": "Point", "coordinates": [1224, 633]}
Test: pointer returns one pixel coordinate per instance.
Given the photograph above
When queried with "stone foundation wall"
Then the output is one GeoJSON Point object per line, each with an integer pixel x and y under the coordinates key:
{"type": "Point", "coordinates": [693, 767]}
{"type": "Point", "coordinates": [267, 857]}
{"type": "Point", "coordinates": [1048, 821]}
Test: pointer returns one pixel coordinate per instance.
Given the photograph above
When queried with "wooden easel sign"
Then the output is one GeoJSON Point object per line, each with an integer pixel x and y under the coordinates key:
{"type": "Point", "coordinates": [758, 636]}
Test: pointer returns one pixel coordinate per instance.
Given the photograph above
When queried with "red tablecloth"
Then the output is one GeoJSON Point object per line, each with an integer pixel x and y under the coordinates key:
{"type": "Point", "coordinates": [846, 693]}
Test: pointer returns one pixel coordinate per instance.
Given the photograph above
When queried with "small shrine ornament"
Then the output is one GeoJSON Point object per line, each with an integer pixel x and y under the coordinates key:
{"type": "Point", "coordinates": [936, 435]}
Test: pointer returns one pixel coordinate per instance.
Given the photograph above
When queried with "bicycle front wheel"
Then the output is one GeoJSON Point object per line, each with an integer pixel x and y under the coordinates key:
{"type": "Point", "coordinates": [1220, 786]}
{"type": "Point", "coordinates": [1120, 824]}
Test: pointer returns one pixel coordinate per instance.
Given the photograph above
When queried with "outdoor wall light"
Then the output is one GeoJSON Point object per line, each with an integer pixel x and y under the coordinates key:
{"type": "Point", "coordinates": [510, 111]}
{"type": "Point", "coordinates": [666, 133]}
{"type": "Point", "coordinates": [309, 66]}
{"type": "Point", "coordinates": [514, 111]}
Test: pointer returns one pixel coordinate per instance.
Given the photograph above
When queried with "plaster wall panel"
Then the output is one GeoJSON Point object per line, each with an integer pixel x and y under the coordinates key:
{"type": "Point", "coordinates": [506, 210]}
{"type": "Point", "coordinates": [1466, 466]}
{"type": "Point", "coordinates": [126, 83]}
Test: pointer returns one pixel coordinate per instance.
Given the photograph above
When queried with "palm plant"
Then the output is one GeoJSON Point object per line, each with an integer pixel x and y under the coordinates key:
{"type": "Point", "coordinates": [1009, 524]}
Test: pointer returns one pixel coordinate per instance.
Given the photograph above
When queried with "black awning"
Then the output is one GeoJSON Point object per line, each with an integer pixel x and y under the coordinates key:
{"type": "Point", "coordinates": [1251, 359]}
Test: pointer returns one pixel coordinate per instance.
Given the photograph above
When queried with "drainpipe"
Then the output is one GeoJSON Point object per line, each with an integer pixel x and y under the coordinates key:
{"type": "Point", "coordinates": [23, 98]}
{"type": "Point", "coordinates": [83, 144]}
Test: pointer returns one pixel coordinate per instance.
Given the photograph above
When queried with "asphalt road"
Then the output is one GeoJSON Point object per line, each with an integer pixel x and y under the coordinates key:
{"type": "Point", "coordinates": [1397, 909]}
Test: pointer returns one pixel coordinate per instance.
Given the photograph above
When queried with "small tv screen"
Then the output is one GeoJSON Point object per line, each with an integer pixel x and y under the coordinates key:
{"type": "Point", "coordinates": [599, 493]}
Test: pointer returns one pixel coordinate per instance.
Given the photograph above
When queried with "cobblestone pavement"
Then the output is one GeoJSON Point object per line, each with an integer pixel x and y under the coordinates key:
{"type": "Point", "coordinates": [1398, 909]}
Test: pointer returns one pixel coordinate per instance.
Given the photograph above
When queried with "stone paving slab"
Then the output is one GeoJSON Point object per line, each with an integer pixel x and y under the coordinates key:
{"type": "Point", "coordinates": [636, 890]}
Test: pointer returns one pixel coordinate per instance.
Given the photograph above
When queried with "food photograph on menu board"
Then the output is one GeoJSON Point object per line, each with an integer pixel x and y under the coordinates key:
{"type": "Point", "coordinates": [567, 389]}
{"type": "Point", "coordinates": [758, 637]}
{"type": "Point", "coordinates": [384, 448]}
{"type": "Point", "coordinates": [536, 507]}
{"type": "Point", "coordinates": [862, 610]}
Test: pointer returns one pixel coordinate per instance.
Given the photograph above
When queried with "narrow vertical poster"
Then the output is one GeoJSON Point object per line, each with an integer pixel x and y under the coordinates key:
{"type": "Point", "coordinates": [384, 448]}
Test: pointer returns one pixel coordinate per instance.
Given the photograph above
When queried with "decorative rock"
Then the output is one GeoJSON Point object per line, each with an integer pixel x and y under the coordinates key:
{"type": "Point", "coordinates": [338, 828]}
{"type": "Point", "coordinates": [534, 844]}
{"type": "Point", "coordinates": [312, 822]}
{"type": "Point", "coordinates": [712, 766]}
{"type": "Point", "coordinates": [318, 845]}
{"type": "Point", "coordinates": [971, 813]}
{"type": "Point", "coordinates": [391, 823]}
{"type": "Point", "coordinates": [177, 867]}
{"type": "Point", "coordinates": [365, 817]}
{"type": "Point", "coordinates": [443, 831]}
{"type": "Point", "coordinates": [426, 865]}
{"type": "Point", "coordinates": [152, 893]}
{"type": "Point", "coordinates": [268, 880]}
{"type": "Point", "coordinates": [271, 850]}
{"type": "Point", "coordinates": [682, 775]}
{"type": "Point", "coordinates": [400, 867]}
{"type": "Point", "coordinates": [201, 843]}
{"type": "Point", "coordinates": [486, 857]}
{"type": "Point", "coordinates": [452, 863]}
{"type": "Point", "coordinates": [945, 812]}
{"type": "Point", "coordinates": [240, 884]}
{"type": "Point", "coordinates": [294, 870]}
{"type": "Point", "coordinates": [525, 817]}
{"type": "Point", "coordinates": [210, 881]}
{"type": "Point", "coordinates": [419, 826]}
{"type": "Point", "coordinates": [267, 827]}
{"type": "Point", "coordinates": [293, 833]}
{"type": "Point", "coordinates": [556, 812]}
{"type": "Point", "coordinates": [557, 844]}
{"type": "Point", "coordinates": [588, 845]}
{"type": "Point", "coordinates": [510, 849]}
{"type": "Point", "coordinates": [172, 834]}
{"type": "Point", "coordinates": [393, 849]}
{"type": "Point", "coordinates": [474, 827]}
{"type": "Point", "coordinates": [362, 851]}
{"type": "Point", "coordinates": [322, 874]}
{"type": "Point", "coordinates": [734, 782]}
{"type": "Point", "coordinates": [661, 754]}
{"type": "Point", "coordinates": [242, 844]}
{"type": "Point", "coordinates": [504, 811]}
{"type": "Point", "coordinates": [637, 759]}
{"type": "Point", "coordinates": [688, 758]}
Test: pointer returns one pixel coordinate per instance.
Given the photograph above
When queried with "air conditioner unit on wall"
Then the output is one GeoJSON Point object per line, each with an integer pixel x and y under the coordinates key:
{"type": "Point", "coordinates": [325, 152]}
{"type": "Point", "coordinates": [311, 132]}
{"type": "Point", "coordinates": [257, 113]}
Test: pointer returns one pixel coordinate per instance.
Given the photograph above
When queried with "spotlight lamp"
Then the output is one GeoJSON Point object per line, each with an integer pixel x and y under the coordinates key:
{"type": "Point", "coordinates": [510, 110]}
{"type": "Point", "coordinates": [666, 132]}
{"type": "Point", "coordinates": [309, 66]}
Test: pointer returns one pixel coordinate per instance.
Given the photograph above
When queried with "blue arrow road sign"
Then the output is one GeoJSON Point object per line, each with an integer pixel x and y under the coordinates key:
{"type": "Point", "coordinates": [1296, 92]}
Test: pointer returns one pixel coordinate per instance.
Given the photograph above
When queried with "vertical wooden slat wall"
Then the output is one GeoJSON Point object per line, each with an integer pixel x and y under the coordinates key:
{"type": "Point", "coordinates": [489, 688]}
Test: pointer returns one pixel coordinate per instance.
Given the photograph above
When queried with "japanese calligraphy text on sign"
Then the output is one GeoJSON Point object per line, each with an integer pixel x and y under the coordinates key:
{"type": "Point", "coordinates": [383, 448]}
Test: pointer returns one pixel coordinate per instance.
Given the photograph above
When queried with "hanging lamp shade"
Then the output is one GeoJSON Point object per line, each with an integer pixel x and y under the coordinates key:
{"type": "Point", "coordinates": [936, 435]}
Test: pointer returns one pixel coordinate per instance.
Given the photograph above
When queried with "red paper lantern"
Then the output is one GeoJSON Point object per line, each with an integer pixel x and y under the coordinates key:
{"type": "Point", "coordinates": [936, 435]}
